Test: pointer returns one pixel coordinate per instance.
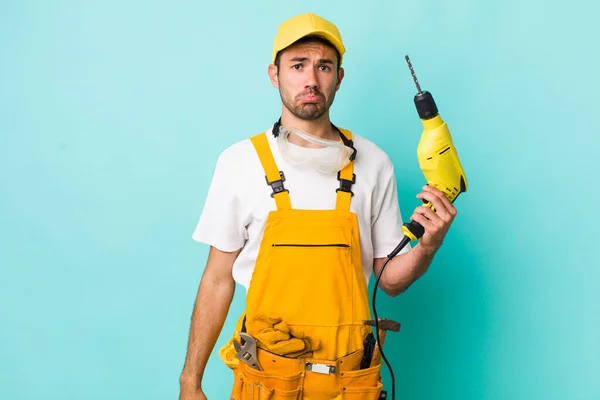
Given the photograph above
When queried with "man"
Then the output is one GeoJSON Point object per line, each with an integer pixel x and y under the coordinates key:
{"type": "Point", "coordinates": [301, 215]}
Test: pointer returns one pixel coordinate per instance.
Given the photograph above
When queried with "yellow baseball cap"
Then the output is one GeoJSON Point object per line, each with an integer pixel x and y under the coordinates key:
{"type": "Point", "coordinates": [303, 25]}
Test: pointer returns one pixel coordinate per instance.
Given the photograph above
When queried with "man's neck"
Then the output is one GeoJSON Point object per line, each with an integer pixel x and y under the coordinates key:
{"type": "Point", "coordinates": [320, 127]}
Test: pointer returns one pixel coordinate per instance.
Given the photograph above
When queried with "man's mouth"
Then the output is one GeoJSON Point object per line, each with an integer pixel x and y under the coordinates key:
{"type": "Point", "coordinates": [310, 99]}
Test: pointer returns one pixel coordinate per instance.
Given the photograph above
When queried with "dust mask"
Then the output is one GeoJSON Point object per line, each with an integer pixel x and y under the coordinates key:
{"type": "Point", "coordinates": [332, 157]}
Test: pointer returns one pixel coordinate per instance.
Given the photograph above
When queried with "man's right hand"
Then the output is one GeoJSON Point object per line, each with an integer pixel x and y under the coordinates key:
{"type": "Point", "coordinates": [192, 394]}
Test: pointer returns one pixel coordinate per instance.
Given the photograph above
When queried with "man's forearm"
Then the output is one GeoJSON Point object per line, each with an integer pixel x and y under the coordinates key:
{"type": "Point", "coordinates": [210, 311]}
{"type": "Point", "coordinates": [404, 269]}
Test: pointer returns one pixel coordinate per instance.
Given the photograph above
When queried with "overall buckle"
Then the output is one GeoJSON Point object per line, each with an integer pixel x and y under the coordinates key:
{"type": "Point", "coordinates": [345, 184]}
{"type": "Point", "coordinates": [277, 185]}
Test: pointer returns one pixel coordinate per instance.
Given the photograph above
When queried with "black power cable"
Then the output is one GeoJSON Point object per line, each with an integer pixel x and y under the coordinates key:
{"type": "Point", "coordinates": [398, 248]}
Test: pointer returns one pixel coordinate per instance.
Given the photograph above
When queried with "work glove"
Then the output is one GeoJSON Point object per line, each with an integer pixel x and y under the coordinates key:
{"type": "Point", "coordinates": [274, 335]}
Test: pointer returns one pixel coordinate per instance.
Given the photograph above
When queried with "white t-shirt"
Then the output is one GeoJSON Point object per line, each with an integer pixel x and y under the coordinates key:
{"type": "Point", "coordinates": [239, 200]}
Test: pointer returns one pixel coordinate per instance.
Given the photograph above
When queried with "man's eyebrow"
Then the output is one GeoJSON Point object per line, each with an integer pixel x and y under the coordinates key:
{"type": "Point", "coordinates": [321, 60]}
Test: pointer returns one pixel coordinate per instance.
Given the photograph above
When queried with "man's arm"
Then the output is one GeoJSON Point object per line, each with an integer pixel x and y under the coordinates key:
{"type": "Point", "coordinates": [404, 269]}
{"type": "Point", "coordinates": [212, 304]}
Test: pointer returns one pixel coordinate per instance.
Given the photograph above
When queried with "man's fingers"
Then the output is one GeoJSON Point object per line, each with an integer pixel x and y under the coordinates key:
{"type": "Point", "coordinates": [444, 208]}
{"type": "Point", "coordinates": [430, 215]}
{"type": "Point", "coordinates": [431, 221]}
{"type": "Point", "coordinates": [440, 207]}
{"type": "Point", "coordinates": [421, 219]}
{"type": "Point", "coordinates": [442, 197]}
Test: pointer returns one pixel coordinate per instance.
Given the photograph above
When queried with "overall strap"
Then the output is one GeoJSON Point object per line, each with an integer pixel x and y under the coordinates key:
{"type": "Point", "coordinates": [273, 176]}
{"type": "Point", "coordinates": [346, 177]}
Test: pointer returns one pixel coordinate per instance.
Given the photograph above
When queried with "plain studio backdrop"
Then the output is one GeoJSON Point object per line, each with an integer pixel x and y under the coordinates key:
{"type": "Point", "coordinates": [112, 115]}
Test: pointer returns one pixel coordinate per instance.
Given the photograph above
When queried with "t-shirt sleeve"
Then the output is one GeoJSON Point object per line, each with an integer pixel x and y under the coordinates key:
{"type": "Point", "coordinates": [221, 221]}
{"type": "Point", "coordinates": [386, 216]}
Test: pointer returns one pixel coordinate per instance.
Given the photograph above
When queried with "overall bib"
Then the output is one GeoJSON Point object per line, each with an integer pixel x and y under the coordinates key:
{"type": "Point", "coordinates": [306, 303]}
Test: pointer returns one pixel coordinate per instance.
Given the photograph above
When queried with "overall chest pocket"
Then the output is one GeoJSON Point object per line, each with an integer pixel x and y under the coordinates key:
{"type": "Point", "coordinates": [316, 280]}
{"type": "Point", "coordinates": [309, 245]}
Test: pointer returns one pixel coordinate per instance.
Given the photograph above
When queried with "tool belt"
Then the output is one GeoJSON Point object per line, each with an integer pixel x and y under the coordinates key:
{"type": "Point", "coordinates": [283, 378]}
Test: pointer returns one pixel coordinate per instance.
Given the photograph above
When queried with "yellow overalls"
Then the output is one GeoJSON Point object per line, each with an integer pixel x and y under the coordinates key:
{"type": "Point", "coordinates": [306, 303]}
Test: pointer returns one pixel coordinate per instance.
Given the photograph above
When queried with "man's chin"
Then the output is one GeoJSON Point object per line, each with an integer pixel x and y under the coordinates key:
{"type": "Point", "coordinates": [311, 108]}
{"type": "Point", "coordinates": [311, 104]}
{"type": "Point", "coordinates": [310, 116]}
{"type": "Point", "coordinates": [308, 111]}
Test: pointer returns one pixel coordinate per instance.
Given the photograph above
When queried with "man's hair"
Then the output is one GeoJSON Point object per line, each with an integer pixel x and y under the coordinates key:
{"type": "Point", "coordinates": [310, 39]}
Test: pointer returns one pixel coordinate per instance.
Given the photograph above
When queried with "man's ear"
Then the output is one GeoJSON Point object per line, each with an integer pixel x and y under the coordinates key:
{"type": "Point", "coordinates": [340, 77]}
{"type": "Point", "coordinates": [273, 75]}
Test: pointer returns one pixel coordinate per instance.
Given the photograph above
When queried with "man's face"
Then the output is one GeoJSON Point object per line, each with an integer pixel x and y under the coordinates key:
{"type": "Point", "coordinates": [307, 79]}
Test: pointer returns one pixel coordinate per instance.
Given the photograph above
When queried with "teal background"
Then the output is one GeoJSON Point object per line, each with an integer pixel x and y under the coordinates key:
{"type": "Point", "coordinates": [112, 115]}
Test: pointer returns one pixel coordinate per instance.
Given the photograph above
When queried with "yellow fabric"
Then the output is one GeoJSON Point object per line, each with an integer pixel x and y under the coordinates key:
{"type": "Point", "coordinates": [303, 25]}
{"type": "Point", "coordinates": [306, 303]}
{"type": "Point", "coordinates": [261, 143]}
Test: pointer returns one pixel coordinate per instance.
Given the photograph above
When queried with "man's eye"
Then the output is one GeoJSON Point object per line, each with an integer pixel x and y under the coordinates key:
{"type": "Point", "coordinates": [325, 67]}
{"type": "Point", "coordinates": [297, 66]}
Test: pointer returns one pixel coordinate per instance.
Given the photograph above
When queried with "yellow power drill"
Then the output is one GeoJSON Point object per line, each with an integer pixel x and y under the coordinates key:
{"type": "Point", "coordinates": [436, 154]}
{"type": "Point", "coordinates": [442, 169]}
{"type": "Point", "coordinates": [437, 157]}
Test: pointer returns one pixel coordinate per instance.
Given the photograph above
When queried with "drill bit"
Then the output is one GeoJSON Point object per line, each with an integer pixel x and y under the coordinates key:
{"type": "Point", "coordinates": [412, 72]}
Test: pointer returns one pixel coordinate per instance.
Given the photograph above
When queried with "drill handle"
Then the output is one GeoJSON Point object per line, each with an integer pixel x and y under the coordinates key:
{"type": "Point", "coordinates": [413, 230]}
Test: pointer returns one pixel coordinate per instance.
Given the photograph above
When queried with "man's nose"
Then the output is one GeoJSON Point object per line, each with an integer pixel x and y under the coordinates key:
{"type": "Point", "coordinates": [311, 78]}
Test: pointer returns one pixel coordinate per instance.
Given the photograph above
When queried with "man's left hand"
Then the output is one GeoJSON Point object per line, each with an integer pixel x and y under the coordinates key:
{"type": "Point", "coordinates": [436, 223]}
